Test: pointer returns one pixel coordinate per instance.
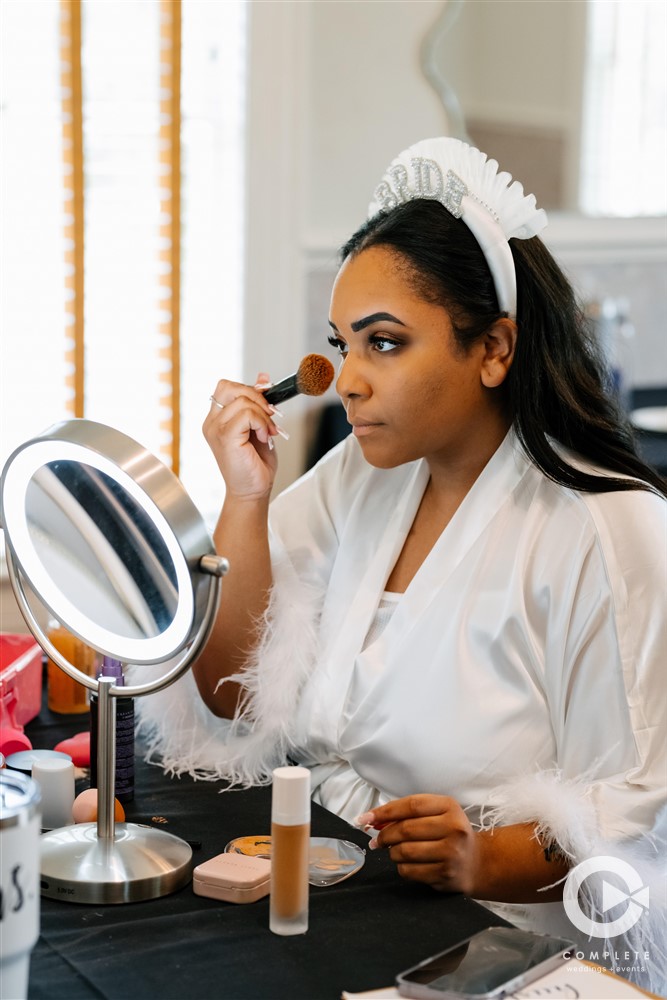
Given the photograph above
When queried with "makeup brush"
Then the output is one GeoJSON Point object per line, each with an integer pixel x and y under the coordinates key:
{"type": "Point", "coordinates": [313, 377]}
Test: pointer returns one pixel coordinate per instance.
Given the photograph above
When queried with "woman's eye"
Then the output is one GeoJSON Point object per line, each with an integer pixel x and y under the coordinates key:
{"type": "Point", "coordinates": [338, 345]}
{"type": "Point", "coordinates": [383, 344]}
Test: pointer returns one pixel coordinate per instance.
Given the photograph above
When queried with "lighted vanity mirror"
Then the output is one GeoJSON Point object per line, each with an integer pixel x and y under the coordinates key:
{"type": "Point", "coordinates": [103, 535]}
{"type": "Point", "coordinates": [109, 540]}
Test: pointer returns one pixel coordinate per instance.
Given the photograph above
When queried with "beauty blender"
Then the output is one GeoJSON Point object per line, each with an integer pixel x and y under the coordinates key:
{"type": "Point", "coordinates": [78, 748]}
{"type": "Point", "coordinates": [84, 809]}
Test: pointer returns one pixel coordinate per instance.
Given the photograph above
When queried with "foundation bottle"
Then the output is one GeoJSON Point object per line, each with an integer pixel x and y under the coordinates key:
{"type": "Point", "coordinates": [290, 842]}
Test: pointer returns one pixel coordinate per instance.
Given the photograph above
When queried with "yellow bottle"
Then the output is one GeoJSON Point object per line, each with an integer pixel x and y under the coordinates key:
{"type": "Point", "coordinates": [65, 695]}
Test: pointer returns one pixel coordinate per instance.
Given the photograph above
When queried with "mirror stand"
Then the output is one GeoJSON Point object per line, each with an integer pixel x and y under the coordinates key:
{"type": "Point", "coordinates": [105, 862]}
{"type": "Point", "coordinates": [108, 862]}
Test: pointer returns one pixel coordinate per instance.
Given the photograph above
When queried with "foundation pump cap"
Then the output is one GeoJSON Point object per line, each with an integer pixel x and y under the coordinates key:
{"type": "Point", "coordinates": [290, 799]}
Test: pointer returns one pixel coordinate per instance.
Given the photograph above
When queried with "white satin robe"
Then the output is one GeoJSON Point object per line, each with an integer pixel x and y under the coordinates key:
{"type": "Point", "coordinates": [532, 638]}
{"type": "Point", "coordinates": [522, 672]}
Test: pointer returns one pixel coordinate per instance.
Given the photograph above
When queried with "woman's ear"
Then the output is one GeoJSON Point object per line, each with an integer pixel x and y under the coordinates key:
{"type": "Point", "coordinates": [499, 344]}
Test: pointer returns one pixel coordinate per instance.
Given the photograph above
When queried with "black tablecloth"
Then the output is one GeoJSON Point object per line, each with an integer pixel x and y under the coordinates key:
{"type": "Point", "coordinates": [362, 931]}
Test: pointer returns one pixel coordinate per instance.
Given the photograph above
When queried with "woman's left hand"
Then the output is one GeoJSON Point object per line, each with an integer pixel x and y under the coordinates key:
{"type": "Point", "coordinates": [430, 839]}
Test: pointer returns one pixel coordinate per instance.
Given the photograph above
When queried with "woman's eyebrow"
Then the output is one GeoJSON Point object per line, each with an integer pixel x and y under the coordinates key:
{"type": "Point", "coordinates": [377, 317]}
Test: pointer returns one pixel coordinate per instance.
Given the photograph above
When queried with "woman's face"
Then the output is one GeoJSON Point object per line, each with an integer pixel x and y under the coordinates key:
{"type": "Point", "coordinates": [409, 391]}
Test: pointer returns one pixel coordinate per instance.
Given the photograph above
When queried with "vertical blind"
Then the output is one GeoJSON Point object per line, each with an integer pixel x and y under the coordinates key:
{"type": "Point", "coordinates": [122, 202]}
{"type": "Point", "coordinates": [73, 202]}
{"type": "Point", "coordinates": [170, 225]}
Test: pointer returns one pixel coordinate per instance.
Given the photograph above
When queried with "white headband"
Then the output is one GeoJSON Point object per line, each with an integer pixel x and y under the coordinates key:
{"type": "Point", "coordinates": [493, 207]}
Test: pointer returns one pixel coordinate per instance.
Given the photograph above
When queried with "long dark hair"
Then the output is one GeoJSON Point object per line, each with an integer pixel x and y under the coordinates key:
{"type": "Point", "coordinates": [557, 385]}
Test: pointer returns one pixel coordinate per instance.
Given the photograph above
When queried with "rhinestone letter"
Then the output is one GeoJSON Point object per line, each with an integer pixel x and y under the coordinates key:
{"type": "Point", "coordinates": [385, 197]}
{"type": "Point", "coordinates": [454, 192]}
{"type": "Point", "coordinates": [400, 178]}
{"type": "Point", "coordinates": [428, 178]}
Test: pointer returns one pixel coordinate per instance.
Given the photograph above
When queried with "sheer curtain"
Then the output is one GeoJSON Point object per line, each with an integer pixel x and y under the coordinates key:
{"type": "Point", "coordinates": [32, 256]}
{"type": "Point", "coordinates": [162, 208]}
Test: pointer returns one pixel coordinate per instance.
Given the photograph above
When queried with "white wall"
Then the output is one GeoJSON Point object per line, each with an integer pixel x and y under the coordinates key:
{"type": "Point", "coordinates": [367, 100]}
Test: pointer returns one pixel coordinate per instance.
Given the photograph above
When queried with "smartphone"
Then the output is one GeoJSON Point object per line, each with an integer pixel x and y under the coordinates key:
{"type": "Point", "coordinates": [493, 963]}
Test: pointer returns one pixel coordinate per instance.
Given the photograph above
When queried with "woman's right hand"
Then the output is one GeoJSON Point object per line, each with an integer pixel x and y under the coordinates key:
{"type": "Point", "coordinates": [240, 434]}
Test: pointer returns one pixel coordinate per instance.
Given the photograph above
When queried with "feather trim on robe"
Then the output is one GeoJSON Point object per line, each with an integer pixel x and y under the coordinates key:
{"type": "Point", "coordinates": [565, 815]}
{"type": "Point", "coordinates": [184, 737]}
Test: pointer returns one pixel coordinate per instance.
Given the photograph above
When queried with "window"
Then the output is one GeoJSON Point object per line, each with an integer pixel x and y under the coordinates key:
{"type": "Point", "coordinates": [624, 148]}
{"type": "Point", "coordinates": [123, 267]}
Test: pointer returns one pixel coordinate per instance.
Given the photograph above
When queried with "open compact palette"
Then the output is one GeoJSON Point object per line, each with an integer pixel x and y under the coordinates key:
{"type": "Point", "coordinates": [330, 860]}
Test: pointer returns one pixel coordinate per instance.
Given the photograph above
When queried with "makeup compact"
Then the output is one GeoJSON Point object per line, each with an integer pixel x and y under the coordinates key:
{"type": "Point", "coordinates": [234, 878]}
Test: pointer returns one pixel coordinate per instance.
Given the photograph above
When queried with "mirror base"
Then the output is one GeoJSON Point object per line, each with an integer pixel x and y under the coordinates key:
{"type": "Point", "coordinates": [139, 863]}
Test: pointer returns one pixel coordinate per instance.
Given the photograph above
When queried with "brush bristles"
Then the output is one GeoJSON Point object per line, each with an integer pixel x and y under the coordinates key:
{"type": "Point", "coordinates": [315, 375]}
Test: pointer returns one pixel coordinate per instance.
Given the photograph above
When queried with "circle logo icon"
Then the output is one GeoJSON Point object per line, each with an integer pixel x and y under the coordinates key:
{"type": "Point", "coordinates": [635, 895]}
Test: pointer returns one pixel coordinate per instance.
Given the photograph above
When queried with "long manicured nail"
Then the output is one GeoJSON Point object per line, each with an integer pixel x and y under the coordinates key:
{"type": "Point", "coordinates": [270, 443]}
{"type": "Point", "coordinates": [263, 385]}
{"type": "Point", "coordinates": [373, 844]}
{"type": "Point", "coordinates": [274, 409]}
{"type": "Point", "coordinates": [282, 433]}
{"type": "Point", "coordinates": [365, 819]}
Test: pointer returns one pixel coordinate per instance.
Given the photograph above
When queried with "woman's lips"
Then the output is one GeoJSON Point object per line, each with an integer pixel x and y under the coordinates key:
{"type": "Point", "coordinates": [361, 430]}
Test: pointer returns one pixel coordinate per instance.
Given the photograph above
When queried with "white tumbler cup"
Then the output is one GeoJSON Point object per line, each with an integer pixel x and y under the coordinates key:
{"type": "Point", "coordinates": [20, 825]}
{"type": "Point", "coordinates": [55, 777]}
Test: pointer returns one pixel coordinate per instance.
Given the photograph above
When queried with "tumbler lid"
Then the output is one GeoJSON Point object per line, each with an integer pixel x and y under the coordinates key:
{"type": "Point", "coordinates": [19, 798]}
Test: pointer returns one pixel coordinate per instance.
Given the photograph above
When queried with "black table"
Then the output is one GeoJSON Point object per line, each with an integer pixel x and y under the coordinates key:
{"type": "Point", "coordinates": [362, 931]}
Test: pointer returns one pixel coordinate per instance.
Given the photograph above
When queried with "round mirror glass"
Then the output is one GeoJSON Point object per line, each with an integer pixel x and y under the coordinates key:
{"type": "Point", "coordinates": [106, 554]}
{"type": "Point", "coordinates": [108, 539]}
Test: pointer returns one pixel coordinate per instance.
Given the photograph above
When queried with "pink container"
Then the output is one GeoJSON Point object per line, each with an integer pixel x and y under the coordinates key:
{"type": "Point", "coordinates": [20, 680]}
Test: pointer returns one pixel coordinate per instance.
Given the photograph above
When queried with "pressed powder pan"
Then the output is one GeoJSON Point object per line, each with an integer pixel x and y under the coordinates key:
{"type": "Point", "coordinates": [330, 860]}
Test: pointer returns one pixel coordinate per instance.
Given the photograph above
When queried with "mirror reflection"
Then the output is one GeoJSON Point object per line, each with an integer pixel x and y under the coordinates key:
{"type": "Point", "coordinates": [568, 96]}
{"type": "Point", "coordinates": [106, 556]}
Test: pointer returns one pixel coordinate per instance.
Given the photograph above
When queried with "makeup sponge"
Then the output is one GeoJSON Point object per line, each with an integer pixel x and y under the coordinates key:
{"type": "Point", "coordinates": [78, 748]}
{"type": "Point", "coordinates": [84, 809]}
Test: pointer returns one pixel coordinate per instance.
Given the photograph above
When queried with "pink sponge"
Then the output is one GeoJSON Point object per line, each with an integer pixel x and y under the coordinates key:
{"type": "Point", "coordinates": [78, 747]}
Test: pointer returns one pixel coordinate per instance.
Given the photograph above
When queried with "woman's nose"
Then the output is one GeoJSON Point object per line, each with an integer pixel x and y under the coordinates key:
{"type": "Point", "coordinates": [351, 381]}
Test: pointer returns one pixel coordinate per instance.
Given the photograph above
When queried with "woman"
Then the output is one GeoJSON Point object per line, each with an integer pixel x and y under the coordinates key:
{"type": "Point", "coordinates": [462, 606]}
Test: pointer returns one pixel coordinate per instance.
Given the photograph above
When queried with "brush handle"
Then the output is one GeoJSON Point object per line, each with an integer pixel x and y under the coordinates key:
{"type": "Point", "coordinates": [286, 389]}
